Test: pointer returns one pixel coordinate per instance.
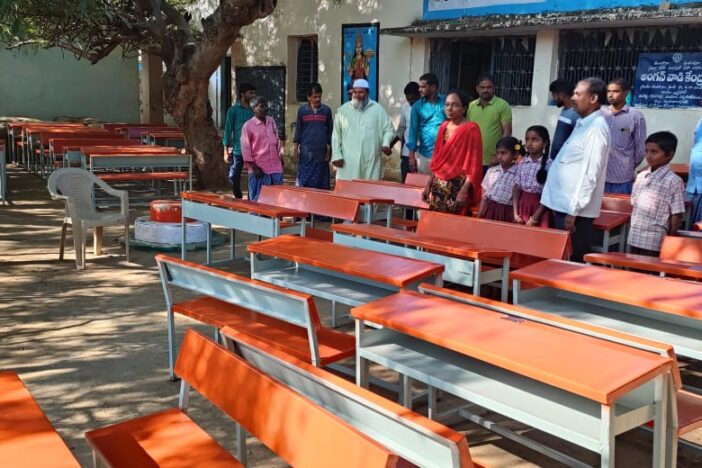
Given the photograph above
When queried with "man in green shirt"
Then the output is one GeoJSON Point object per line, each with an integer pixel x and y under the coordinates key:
{"type": "Point", "coordinates": [237, 116]}
{"type": "Point", "coordinates": [493, 115]}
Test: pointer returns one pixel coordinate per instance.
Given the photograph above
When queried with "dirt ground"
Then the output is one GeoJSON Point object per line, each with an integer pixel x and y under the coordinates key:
{"type": "Point", "coordinates": [91, 345]}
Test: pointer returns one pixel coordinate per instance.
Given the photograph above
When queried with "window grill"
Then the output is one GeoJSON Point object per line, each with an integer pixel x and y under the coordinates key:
{"type": "Point", "coordinates": [614, 53]}
{"type": "Point", "coordinates": [513, 67]}
{"type": "Point", "coordinates": [307, 66]}
{"type": "Point", "coordinates": [510, 61]}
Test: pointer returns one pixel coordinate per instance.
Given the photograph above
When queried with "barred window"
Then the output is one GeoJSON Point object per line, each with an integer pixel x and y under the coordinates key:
{"type": "Point", "coordinates": [614, 53]}
{"type": "Point", "coordinates": [510, 60]}
{"type": "Point", "coordinates": [513, 68]}
{"type": "Point", "coordinates": [307, 66]}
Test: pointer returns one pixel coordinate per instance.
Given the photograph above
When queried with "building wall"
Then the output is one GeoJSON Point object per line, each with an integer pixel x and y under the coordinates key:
{"type": "Point", "coordinates": [270, 42]}
{"type": "Point", "coordinates": [49, 83]}
{"type": "Point", "coordinates": [681, 122]}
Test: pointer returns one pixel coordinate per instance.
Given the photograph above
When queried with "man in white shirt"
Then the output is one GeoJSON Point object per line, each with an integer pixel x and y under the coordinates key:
{"type": "Point", "coordinates": [575, 182]}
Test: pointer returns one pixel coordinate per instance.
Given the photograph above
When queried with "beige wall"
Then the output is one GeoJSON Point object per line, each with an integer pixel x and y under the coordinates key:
{"type": "Point", "coordinates": [400, 60]}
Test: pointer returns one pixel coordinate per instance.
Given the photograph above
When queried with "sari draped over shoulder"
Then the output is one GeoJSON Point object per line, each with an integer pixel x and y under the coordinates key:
{"type": "Point", "coordinates": [460, 155]}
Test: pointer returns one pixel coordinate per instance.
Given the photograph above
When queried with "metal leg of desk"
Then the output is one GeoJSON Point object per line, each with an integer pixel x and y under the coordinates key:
{"type": "Point", "coordinates": [504, 288]}
{"type": "Point", "coordinates": [208, 259]}
{"type": "Point", "coordinates": [232, 241]}
{"type": "Point", "coordinates": [361, 363]}
{"type": "Point", "coordinates": [605, 241]}
{"type": "Point", "coordinates": [660, 409]}
{"type": "Point", "coordinates": [183, 237]}
{"type": "Point", "coordinates": [607, 436]}
{"type": "Point", "coordinates": [433, 410]}
{"type": "Point", "coordinates": [406, 391]}
{"type": "Point", "coordinates": [516, 284]}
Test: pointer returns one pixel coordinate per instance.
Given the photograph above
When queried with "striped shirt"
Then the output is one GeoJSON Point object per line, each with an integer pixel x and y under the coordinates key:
{"type": "Point", "coordinates": [526, 174]}
{"type": "Point", "coordinates": [627, 145]}
{"type": "Point", "coordinates": [656, 196]}
{"type": "Point", "coordinates": [498, 184]}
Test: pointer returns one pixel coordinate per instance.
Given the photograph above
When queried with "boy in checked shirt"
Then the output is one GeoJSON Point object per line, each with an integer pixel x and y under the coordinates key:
{"type": "Point", "coordinates": [658, 197]}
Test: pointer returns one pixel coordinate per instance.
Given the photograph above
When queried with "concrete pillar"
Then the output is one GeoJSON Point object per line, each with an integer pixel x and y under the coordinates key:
{"type": "Point", "coordinates": [545, 66]}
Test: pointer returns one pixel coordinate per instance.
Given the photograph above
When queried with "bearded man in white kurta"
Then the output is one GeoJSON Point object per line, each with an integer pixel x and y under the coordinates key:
{"type": "Point", "coordinates": [362, 129]}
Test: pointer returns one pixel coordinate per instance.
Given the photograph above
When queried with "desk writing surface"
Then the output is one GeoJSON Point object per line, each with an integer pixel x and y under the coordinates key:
{"type": "Point", "coordinates": [644, 262]}
{"type": "Point", "coordinates": [376, 266]}
{"type": "Point", "coordinates": [232, 203]}
{"type": "Point", "coordinates": [637, 289]}
{"type": "Point", "coordinates": [431, 243]}
{"type": "Point", "coordinates": [608, 220]}
{"type": "Point", "coordinates": [404, 195]}
{"type": "Point", "coordinates": [590, 367]}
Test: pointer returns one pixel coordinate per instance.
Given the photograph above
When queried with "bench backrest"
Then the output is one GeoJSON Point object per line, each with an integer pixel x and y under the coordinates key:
{"type": "Point", "coordinates": [111, 126]}
{"type": "Point", "coordinates": [520, 239]}
{"type": "Point", "coordinates": [682, 249]}
{"type": "Point", "coordinates": [299, 431]}
{"type": "Point", "coordinates": [59, 144]}
{"type": "Point", "coordinates": [413, 437]}
{"type": "Point", "coordinates": [401, 194]}
{"type": "Point", "coordinates": [27, 438]}
{"type": "Point", "coordinates": [134, 133]}
{"type": "Point", "coordinates": [317, 203]}
{"type": "Point", "coordinates": [88, 134]}
{"type": "Point", "coordinates": [263, 298]}
{"type": "Point", "coordinates": [618, 203]}
{"type": "Point", "coordinates": [128, 149]}
{"type": "Point", "coordinates": [416, 179]}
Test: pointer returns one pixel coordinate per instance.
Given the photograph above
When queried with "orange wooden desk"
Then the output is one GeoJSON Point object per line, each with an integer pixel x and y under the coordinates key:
{"type": "Point", "coordinates": [544, 376]}
{"type": "Point", "coordinates": [27, 438]}
{"type": "Point", "coordinates": [661, 309]}
{"type": "Point", "coordinates": [335, 272]}
{"type": "Point", "coordinates": [607, 222]}
{"type": "Point", "coordinates": [368, 202]}
{"type": "Point", "coordinates": [688, 270]}
{"type": "Point", "coordinates": [242, 215]}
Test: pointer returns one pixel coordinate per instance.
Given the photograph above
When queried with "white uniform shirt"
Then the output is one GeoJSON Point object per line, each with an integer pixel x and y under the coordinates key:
{"type": "Point", "coordinates": [575, 182]}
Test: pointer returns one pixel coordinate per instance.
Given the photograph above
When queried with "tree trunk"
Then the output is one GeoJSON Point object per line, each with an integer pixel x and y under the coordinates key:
{"type": "Point", "coordinates": [188, 103]}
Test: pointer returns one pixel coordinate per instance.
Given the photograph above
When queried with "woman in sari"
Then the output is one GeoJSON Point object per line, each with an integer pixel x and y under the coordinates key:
{"type": "Point", "coordinates": [457, 162]}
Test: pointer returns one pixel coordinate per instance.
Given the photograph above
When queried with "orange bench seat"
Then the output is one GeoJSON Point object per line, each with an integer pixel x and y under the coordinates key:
{"type": "Point", "coordinates": [288, 338]}
{"type": "Point", "coordinates": [295, 428]}
{"type": "Point", "coordinates": [150, 441]}
{"type": "Point", "coordinates": [27, 438]}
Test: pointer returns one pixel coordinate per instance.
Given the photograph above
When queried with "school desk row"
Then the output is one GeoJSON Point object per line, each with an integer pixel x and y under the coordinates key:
{"type": "Point", "coordinates": [31, 144]}
{"type": "Point", "coordinates": [581, 383]}
{"type": "Point", "coordinates": [577, 381]}
{"type": "Point", "coordinates": [351, 276]}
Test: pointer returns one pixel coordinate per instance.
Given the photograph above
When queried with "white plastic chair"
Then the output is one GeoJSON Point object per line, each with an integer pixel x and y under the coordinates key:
{"type": "Point", "coordinates": [76, 187]}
